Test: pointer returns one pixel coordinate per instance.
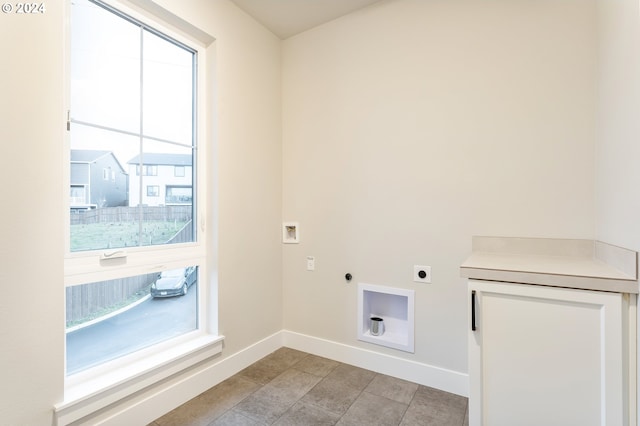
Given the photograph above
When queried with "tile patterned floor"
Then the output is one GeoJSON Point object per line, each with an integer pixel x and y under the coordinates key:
{"type": "Point", "coordinates": [293, 388]}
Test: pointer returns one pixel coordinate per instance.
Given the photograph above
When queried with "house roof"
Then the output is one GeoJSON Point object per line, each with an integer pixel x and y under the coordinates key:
{"type": "Point", "coordinates": [91, 156]}
{"type": "Point", "coordinates": [86, 155]}
{"type": "Point", "coordinates": [162, 159]}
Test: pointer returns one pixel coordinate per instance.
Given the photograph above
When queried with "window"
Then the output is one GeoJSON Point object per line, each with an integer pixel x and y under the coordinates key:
{"type": "Point", "coordinates": [78, 195]}
{"type": "Point", "coordinates": [137, 325]}
{"type": "Point", "coordinates": [147, 170]}
{"type": "Point", "coordinates": [179, 195]}
{"type": "Point", "coordinates": [134, 269]}
{"type": "Point", "coordinates": [178, 171]}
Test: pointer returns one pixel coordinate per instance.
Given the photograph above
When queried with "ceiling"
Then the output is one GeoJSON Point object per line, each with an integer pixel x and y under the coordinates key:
{"type": "Point", "coordinates": [286, 18]}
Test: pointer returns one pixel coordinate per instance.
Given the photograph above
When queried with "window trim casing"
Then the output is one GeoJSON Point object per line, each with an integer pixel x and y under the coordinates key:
{"type": "Point", "coordinates": [183, 351]}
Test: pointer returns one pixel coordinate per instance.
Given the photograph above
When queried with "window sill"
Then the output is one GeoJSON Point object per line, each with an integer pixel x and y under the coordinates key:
{"type": "Point", "coordinates": [91, 390]}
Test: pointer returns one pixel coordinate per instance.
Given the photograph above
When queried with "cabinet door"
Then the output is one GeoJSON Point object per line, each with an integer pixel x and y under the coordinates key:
{"type": "Point", "coordinates": [545, 356]}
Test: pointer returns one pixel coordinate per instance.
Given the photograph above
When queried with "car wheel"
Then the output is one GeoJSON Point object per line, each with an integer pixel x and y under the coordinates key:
{"type": "Point", "coordinates": [184, 289]}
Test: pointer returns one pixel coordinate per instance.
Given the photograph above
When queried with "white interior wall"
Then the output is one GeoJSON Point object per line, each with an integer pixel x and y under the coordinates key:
{"type": "Point", "coordinates": [32, 131]}
{"type": "Point", "coordinates": [618, 146]}
{"type": "Point", "coordinates": [413, 125]}
{"type": "Point", "coordinates": [31, 235]}
{"type": "Point", "coordinates": [496, 99]}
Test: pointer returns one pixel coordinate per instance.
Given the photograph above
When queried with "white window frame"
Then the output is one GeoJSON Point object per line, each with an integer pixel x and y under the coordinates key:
{"type": "Point", "coordinates": [100, 386]}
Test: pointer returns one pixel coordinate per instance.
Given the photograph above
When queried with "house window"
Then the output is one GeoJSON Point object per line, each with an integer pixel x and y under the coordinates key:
{"type": "Point", "coordinates": [137, 258]}
{"type": "Point", "coordinates": [153, 191]}
{"type": "Point", "coordinates": [78, 195]}
{"type": "Point", "coordinates": [179, 195]}
{"type": "Point", "coordinates": [178, 171]}
{"type": "Point", "coordinates": [147, 170]}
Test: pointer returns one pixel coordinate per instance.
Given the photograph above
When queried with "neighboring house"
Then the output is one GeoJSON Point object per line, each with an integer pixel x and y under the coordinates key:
{"type": "Point", "coordinates": [97, 180]}
{"type": "Point", "coordinates": [167, 179]}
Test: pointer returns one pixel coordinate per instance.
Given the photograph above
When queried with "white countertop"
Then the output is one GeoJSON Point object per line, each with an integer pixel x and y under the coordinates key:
{"type": "Point", "coordinates": [581, 264]}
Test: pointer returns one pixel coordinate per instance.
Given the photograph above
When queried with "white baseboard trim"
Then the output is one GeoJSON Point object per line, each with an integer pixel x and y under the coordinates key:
{"type": "Point", "coordinates": [424, 374]}
{"type": "Point", "coordinates": [154, 402]}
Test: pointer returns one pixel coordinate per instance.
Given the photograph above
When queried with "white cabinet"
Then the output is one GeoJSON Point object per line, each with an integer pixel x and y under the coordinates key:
{"type": "Point", "coordinates": [548, 356]}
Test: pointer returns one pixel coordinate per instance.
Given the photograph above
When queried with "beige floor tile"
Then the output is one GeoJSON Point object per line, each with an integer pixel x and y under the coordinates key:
{"type": "Point", "coordinates": [307, 415]}
{"type": "Point", "coordinates": [316, 365]}
{"type": "Point", "coordinates": [196, 412]}
{"type": "Point", "coordinates": [373, 410]}
{"type": "Point", "coordinates": [271, 401]}
{"type": "Point", "coordinates": [292, 385]}
{"type": "Point", "coordinates": [293, 388]}
{"type": "Point", "coordinates": [354, 377]}
{"type": "Point", "coordinates": [392, 388]}
{"type": "Point", "coordinates": [287, 356]}
{"type": "Point", "coordinates": [269, 367]}
{"type": "Point", "coordinates": [432, 407]}
{"type": "Point", "coordinates": [263, 406]}
{"type": "Point", "coordinates": [233, 418]}
{"type": "Point", "coordinates": [227, 394]}
{"type": "Point", "coordinates": [332, 395]}
{"type": "Point", "coordinates": [211, 404]}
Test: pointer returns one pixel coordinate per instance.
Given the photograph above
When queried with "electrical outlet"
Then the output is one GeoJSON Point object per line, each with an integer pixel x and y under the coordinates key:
{"type": "Point", "coordinates": [421, 274]}
{"type": "Point", "coordinates": [311, 263]}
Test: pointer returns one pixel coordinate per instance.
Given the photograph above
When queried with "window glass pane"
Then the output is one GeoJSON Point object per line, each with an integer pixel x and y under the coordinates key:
{"type": "Point", "coordinates": [110, 159]}
{"type": "Point", "coordinates": [105, 68]}
{"type": "Point", "coordinates": [78, 196]}
{"type": "Point", "coordinates": [168, 90]}
{"type": "Point", "coordinates": [153, 190]}
{"type": "Point", "coordinates": [109, 319]}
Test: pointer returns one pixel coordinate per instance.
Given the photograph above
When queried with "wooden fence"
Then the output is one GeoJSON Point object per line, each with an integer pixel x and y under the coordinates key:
{"type": "Point", "coordinates": [131, 214]}
{"type": "Point", "coordinates": [184, 235]}
{"type": "Point", "coordinates": [93, 299]}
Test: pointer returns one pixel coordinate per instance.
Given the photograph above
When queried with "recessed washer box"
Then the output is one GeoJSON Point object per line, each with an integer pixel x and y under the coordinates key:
{"type": "Point", "coordinates": [291, 232]}
{"type": "Point", "coordinates": [396, 307]}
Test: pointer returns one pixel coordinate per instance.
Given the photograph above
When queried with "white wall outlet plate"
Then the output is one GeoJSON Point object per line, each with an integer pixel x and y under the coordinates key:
{"type": "Point", "coordinates": [421, 274]}
{"type": "Point", "coordinates": [311, 263]}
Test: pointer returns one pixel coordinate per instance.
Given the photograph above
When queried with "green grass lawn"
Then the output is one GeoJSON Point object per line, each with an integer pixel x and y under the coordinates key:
{"type": "Point", "coordinates": [121, 234]}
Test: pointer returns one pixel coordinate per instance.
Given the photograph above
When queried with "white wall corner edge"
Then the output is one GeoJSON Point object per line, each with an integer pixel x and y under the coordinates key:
{"type": "Point", "coordinates": [424, 374]}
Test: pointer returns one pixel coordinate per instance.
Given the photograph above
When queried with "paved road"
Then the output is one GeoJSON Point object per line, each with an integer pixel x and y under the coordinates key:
{"type": "Point", "coordinates": [150, 322]}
